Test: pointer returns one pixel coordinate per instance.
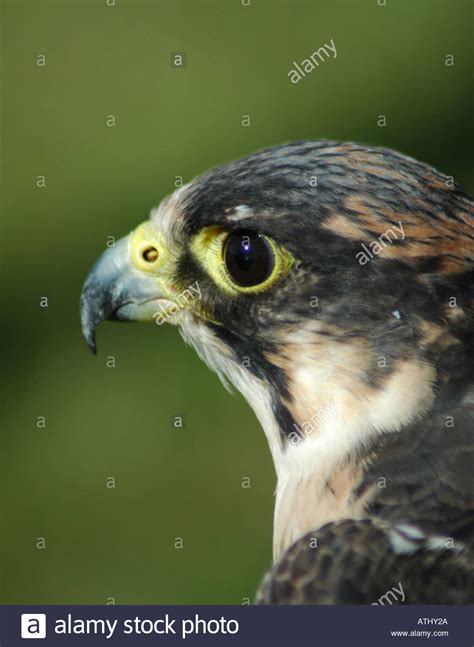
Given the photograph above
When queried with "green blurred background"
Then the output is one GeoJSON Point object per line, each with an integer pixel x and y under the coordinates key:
{"type": "Point", "coordinates": [117, 544]}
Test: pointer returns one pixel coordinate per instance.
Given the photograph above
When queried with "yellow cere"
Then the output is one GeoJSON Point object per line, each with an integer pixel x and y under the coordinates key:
{"type": "Point", "coordinates": [148, 250]}
{"type": "Point", "coordinates": [208, 249]}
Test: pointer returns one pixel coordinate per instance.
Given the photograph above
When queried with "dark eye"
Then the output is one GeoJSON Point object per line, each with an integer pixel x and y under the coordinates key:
{"type": "Point", "coordinates": [248, 258]}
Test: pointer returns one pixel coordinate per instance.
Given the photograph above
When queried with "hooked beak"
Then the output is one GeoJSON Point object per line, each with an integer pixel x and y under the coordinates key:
{"type": "Point", "coordinates": [116, 289]}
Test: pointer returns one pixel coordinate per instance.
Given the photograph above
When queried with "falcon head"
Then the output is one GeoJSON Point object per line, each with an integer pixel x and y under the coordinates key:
{"type": "Point", "coordinates": [329, 283]}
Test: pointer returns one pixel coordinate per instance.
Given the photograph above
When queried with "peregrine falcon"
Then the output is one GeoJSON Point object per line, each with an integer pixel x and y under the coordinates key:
{"type": "Point", "coordinates": [331, 284]}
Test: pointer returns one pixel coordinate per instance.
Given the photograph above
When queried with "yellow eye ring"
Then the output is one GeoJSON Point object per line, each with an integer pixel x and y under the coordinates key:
{"type": "Point", "coordinates": [257, 261]}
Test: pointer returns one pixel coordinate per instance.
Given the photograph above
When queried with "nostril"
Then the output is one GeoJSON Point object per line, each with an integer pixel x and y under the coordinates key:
{"type": "Point", "coordinates": [150, 254]}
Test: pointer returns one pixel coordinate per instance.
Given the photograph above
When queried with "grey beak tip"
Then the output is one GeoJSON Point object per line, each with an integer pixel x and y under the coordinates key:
{"type": "Point", "coordinates": [92, 345]}
{"type": "Point", "coordinates": [109, 285]}
{"type": "Point", "coordinates": [88, 323]}
{"type": "Point", "coordinates": [89, 335]}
